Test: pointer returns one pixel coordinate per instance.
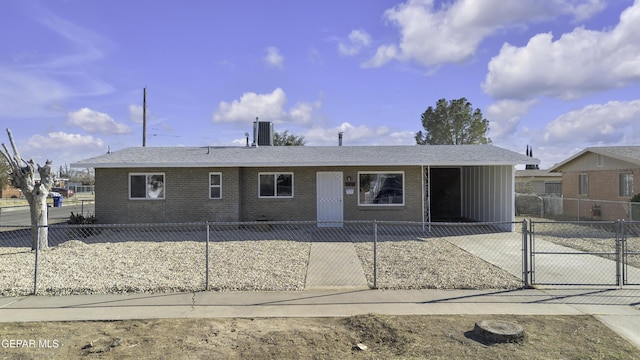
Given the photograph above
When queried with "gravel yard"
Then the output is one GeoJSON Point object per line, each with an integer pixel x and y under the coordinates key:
{"type": "Point", "coordinates": [431, 264]}
{"type": "Point", "coordinates": [149, 267]}
{"type": "Point", "coordinates": [265, 258]}
{"type": "Point", "coordinates": [75, 267]}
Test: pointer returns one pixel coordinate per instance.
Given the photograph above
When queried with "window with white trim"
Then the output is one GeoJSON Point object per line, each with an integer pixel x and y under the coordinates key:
{"type": "Point", "coordinates": [380, 188]}
{"type": "Point", "coordinates": [583, 184]}
{"type": "Point", "coordinates": [275, 185]}
{"type": "Point", "coordinates": [215, 185]}
{"type": "Point", "coordinates": [626, 185]}
{"type": "Point", "coordinates": [146, 186]}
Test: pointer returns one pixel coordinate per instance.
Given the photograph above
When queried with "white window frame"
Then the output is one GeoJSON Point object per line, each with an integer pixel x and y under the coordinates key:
{"type": "Point", "coordinates": [625, 184]}
{"type": "Point", "coordinates": [149, 193]}
{"type": "Point", "coordinates": [583, 184]}
{"type": "Point", "coordinates": [275, 185]}
{"type": "Point", "coordinates": [219, 186]}
{"type": "Point", "coordinates": [361, 192]}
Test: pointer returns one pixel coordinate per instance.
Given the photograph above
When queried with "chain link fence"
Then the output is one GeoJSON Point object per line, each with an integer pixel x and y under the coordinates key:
{"type": "Point", "coordinates": [296, 256]}
{"type": "Point", "coordinates": [584, 253]}
{"type": "Point", "coordinates": [258, 256]}
{"type": "Point", "coordinates": [569, 209]}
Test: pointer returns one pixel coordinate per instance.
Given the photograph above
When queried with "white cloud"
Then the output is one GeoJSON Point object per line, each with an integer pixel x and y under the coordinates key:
{"type": "Point", "coordinates": [384, 54]}
{"type": "Point", "coordinates": [27, 95]}
{"type": "Point", "coordinates": [504, 117]}
{"type": "Point", "coordinates": [615, 123]}
{"type": "Point", "coordinates": [61, 148]}
{"type": "Point", "coordinates": [267, 107]}
{"type": "Point", "coordinates": [580, 62]}
{"type": "Point", "coordinates": [61, 140]}
{"type": "Point", "coordinates": [273, 58]}
{"type": "Point", "coordinates": [358, 39]}
{"type": "Point", "coordinates": [43, 81]}
{"type": "Point", "coordinates": [358, 135]}
{"type": "Point", "coordinates": [301, 113]}
{"type": "Point", "coordinates": [96, 122]}
{"type": "Point", "coordinates": [89, 46]}
{"type": "Point", "coordinates": [453, 32]}
{"type": "Point", "coordinates": [136, 113]}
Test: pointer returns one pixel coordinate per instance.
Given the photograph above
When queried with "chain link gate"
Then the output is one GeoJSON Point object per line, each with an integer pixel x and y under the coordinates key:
{"type": "Point", "coordinates": [630, 250]}
{"type": "Point", "coordinates": [582, 253]}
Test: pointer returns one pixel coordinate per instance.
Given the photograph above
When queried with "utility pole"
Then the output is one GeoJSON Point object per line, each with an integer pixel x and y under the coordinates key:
{"type": "Point", "coordinates": [144, 117]}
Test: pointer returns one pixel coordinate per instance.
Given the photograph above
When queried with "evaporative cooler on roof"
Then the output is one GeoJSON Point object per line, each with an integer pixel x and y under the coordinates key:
{"type": "Point", "coordinates": [265, 133]}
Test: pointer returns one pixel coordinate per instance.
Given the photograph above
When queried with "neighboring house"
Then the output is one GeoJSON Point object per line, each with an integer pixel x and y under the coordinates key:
{"type": "Point", "coordinates": [303, 183]}
{"type": "Point", "coordinates": [598, 176]}
{"type": "Point", "coordinates": [540, 182]}
{"type": "Point", "coordinates": [10, 192]}
{"type": "Point", "coordinates": [532, 180]}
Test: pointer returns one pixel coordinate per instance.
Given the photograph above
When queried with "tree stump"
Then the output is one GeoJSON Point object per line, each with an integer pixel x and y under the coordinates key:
{"type": "Point", "coordinates": [497, 331]}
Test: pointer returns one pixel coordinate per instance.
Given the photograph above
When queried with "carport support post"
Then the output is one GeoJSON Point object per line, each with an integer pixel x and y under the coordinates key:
{"type": "Point", "coordinates": [525, 263]}
{"type": "Point", "coordinates": [375, 254]}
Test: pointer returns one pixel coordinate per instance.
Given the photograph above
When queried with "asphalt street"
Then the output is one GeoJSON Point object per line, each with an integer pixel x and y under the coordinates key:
{"type": "Point", "coordinates": [19, 216]}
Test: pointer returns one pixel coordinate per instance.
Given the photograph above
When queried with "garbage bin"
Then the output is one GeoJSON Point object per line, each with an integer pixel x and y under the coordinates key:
{"type": "Point", "coordinates": [57, 201]}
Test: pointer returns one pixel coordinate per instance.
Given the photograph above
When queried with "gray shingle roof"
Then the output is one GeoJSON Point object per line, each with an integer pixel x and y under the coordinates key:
{"type": "Point", "coordinates": [267, 156]}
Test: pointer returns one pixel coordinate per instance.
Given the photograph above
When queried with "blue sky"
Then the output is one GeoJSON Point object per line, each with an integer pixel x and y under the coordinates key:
{"type": "Point", "coordinates": [557, 75]}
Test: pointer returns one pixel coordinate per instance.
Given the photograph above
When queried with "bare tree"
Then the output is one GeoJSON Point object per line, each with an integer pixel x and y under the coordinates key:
{"type": "Point", "coordinates": [36, 192]}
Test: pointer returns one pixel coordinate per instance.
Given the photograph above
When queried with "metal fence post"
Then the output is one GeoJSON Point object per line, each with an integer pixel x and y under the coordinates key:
{"type": "Point", "coordinates": [525, 253]}
{"type": "Point", "coordinates": [531, 249]}
{"type": "Point", "coordinates": [375, 254]}
{"type": "Point", "coordinates": [35, 270]}
{"type": "Point", "coordinates": [620, 245]}
{"type": "Point", "coordinates": [206, 278]}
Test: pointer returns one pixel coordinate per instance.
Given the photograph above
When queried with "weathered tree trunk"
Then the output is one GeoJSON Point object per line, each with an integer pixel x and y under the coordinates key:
{"type": "Point", "coordinates": [39, 222]}
{"type": "Point", "coordinates": [35, 192]}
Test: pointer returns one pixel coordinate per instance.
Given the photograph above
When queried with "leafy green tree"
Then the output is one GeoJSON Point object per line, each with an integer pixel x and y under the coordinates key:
{"type": "Point", "coordinates": [453, 122]}
{"type": "Point", "coordinates": [286, 139]}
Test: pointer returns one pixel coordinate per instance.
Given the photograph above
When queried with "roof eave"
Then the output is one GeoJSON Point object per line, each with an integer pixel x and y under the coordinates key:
{"type": "Point", "coordinates": [301, 164]}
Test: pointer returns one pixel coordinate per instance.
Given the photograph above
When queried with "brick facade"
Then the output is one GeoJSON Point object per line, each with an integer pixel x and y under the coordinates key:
{"type": "Point", "coordinates": [187, 196]}
{"type": "Point", "coordinates": [604, 190]}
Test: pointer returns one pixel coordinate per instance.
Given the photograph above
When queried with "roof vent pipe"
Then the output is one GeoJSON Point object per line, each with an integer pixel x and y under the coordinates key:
{"type": "Point", "coordinates": [340, 138]}
{"type": "Point", "coordinates": [255, 133]}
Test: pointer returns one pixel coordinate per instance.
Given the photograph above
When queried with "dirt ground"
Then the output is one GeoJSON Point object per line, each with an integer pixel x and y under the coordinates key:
{"type": "Point", "coordinates": [356, 337]}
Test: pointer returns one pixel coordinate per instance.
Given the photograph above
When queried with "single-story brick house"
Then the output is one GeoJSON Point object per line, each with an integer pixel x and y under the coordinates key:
{"type": "Point", "coordinates": [598, 177]}
{"type": "Point", "coordinates": [305, 183]}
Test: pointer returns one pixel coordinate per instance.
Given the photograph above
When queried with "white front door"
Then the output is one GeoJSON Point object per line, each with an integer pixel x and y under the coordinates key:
{"type": "Point", "coordinates": [329, 198]}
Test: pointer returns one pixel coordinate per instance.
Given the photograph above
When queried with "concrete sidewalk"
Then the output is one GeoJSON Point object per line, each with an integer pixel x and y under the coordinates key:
{"type": "Point", "coordinates": [617, 308]}
{"type": "Point", "coordinates": [328, 295]}
{"type": "Point", "coordinates": [334, 265]}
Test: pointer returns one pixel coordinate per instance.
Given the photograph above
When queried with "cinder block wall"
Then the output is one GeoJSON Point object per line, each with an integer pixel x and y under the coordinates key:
{"type": "Point", "coordinates": [303, 205]}
{"type": "Point", "coordinates": [186, 197]}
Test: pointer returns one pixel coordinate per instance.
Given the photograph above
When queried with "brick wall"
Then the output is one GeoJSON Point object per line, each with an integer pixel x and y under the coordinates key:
{"type": "Point", "coordinates": [187, 197]}
{"type": "Point", "coordinates": [603, 186]}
